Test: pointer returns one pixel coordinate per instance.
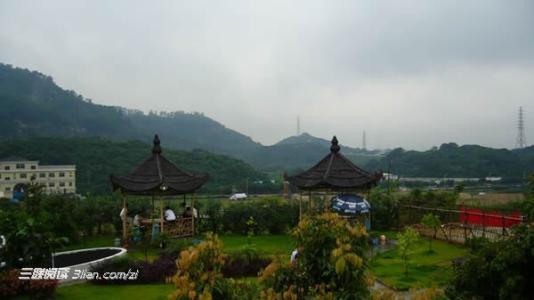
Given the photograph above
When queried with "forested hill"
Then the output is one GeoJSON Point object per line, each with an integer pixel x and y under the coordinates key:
{"type": "Point", "coordinates": [300, 152]}
{"type": "Point", "coordinates": [451, 160]}
{"type": "Point", "coordinates": [32, 104]}
{"type": "Point", "coordinates": [97, 158]}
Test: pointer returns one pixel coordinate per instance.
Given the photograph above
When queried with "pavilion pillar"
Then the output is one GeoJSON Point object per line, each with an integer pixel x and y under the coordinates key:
{"type": "Point", "coordinates": [125, 221]}
{"type": "Point", "coordinates": [310, 202]}
{"type": "Point", "coordinates": [161, 215]}
{"type": "Point", "coordinates": [300, 206]}
{"type": "Point", "coordinates": [193, 214]}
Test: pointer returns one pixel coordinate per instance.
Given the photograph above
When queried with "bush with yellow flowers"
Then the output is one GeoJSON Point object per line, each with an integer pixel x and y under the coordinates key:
{"type": "Point", "coordinates": [330, 265]}
{"type": "Point", "coordinates": [199, 271]}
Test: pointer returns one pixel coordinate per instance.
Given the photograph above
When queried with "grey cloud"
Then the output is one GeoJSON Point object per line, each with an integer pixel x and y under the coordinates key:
{"type": "Point", "coordinates": [411, 73]}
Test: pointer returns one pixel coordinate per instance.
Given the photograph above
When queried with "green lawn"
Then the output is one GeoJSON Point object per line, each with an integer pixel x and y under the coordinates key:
{"type": "Point", "coordinates": [97, 292]}
{"type": "Point", "coordinates": [265, 244]}
{"type": "Point", "coordinates": [425, 269]}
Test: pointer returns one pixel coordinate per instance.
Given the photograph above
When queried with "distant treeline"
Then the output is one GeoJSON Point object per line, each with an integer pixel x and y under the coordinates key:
{"type": "Point", "coordinates": [97, 158]}
{"type": "Point", "coordinates": [451, 160]}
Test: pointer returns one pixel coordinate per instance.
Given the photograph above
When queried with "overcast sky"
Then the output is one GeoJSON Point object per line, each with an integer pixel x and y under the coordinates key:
{"type": "Point", "coordinates": [410, 73]}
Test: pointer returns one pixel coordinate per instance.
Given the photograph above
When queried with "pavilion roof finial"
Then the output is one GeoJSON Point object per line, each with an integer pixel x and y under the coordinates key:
{"type": "Point", "coordinates": [157, 148]}
{"type": "Point", "coordinates": [335, 147]}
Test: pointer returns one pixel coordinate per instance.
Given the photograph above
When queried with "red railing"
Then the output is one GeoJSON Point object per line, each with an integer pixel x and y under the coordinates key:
{"type": "Point", "coordinates": [489, 218]}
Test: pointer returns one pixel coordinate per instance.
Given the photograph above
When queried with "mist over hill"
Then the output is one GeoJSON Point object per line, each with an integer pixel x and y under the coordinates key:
{"type": "Point", "coordinates": [32, 105]}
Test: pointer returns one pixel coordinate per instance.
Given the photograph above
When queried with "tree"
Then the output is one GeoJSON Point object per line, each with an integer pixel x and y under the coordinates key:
{"type": "Point", "coordinates": [406, 241]}
{"type": "Point", "coordinates": [384, 212]}
{"type": "Point", "coordinates": [331, 263]}
{"type": "Point", "coordinates": [496, 270]}
{"type": "Point", "coordinates": [431, 221]}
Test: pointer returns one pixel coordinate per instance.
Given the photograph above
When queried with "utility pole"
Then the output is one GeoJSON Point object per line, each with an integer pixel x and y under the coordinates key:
{"type": "Point", "coordinates": [298, 125]}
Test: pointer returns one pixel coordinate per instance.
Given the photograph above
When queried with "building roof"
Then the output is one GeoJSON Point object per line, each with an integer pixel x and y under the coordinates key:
{"type": "Point", "coordinates": [335, 172]}
{"type": "Point", "coordinates": [13, 159]}
{"type": "Point", "coordinates": [157, 175]}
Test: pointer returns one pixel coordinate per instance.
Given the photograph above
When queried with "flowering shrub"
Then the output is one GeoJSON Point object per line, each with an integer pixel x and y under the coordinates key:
{"type": "Point", "coordinates": [330, 265]}
{"type": "Point", "coordinates": [199, 271]}
{"type": "Point", "coordinates": [11, 286]}
{"type": "Point", "coordinates": [157, 271]}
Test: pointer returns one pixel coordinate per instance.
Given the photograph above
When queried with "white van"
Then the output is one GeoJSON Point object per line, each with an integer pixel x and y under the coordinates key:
{"type": "Point", "coordinates": [238, 196]}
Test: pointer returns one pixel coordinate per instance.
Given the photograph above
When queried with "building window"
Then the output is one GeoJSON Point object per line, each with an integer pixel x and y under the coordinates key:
{"type": "Point", "coordinates": [23, 175]}
{"type": "Point", "coordinates": [34, 167]}
{"type": "Point", "coordinates": [51, 175]}
{"type": "Point", "coordinates": [51, 184]}
{"type": "Point", "coordinates": [70, 174]}
{"type": "Point", "coordinates": [62, 184]}
{"type": "Point", "coordinates": [20, 166]}
{"type": "Point", "coordinates": [42, 175]}
{"type": "Point", "coordinates": [8, 178]}
{"type": "Point", "coordinates": [7, 168]}
{"type": "Point", "coordinates": [8, 189]}
{"type": "Point", "coordinates": [61, 174]}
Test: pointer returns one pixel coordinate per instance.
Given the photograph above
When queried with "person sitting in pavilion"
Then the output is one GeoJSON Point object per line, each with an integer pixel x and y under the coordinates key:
{"type": "Point", "coordinates": [188, 212]}
{"type": "Point", "coordinates": [169, 214]}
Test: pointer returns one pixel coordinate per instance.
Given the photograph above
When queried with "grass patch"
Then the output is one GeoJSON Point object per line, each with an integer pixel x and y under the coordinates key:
{"type": "Point", "coordinates": [426, 269]}
{"type": "Point", "coordinates": [278, 245]}
{"type": "Point", "coordinates": [97, 292]}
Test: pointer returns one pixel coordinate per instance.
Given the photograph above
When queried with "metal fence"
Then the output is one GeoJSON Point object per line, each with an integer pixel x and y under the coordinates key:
{"type": "Point", "coordinates": [459, 225]}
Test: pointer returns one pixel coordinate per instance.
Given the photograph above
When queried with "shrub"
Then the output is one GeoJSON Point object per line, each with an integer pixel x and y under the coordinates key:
{"type": "Point", "coordinates": [40, 289]}
{"type": "Point", "coordinates": [272, 215]}
{"type": "Point", "coordinates": [331, 262]}
{"type": "Point", "coordinates": [496, 270]}
{"type": "Point", "coordinates": [199, 271]}
{"type": "Point", "coordinates": [384, 209]}
{"type": "Point", "coordinates": [157, 271]}
{"type": "Point", "coordinates": [11, 286]}
{"type": "Point", "coordinates": [244, 263]}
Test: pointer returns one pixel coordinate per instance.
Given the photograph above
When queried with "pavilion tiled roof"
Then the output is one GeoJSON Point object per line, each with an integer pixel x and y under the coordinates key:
{"type": "Point", "coordinates": [335, 172]}
{"type": "Point", "coordinates": [157, 175]}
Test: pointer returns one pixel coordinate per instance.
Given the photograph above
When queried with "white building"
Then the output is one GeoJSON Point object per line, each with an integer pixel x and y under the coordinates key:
{"type": "Point", "coordinates": [16, 171]}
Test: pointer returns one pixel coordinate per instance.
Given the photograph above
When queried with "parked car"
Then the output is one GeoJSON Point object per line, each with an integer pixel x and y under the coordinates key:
{"type": "Point", "coordinates": [238, 196]}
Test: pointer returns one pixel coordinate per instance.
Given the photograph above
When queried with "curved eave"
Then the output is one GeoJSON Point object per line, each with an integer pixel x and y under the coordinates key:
{"type": "Point", "coordinates": [175, 186]}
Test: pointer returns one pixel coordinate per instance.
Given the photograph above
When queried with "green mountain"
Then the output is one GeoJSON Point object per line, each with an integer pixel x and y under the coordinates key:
{"type": "Point", "coordinates": [451, 160]}
{"type": "Point", "coordinates": [304, 150]}
{"type": "Point", "coordinates": [97, 158]}
{"type": "Point", "coordinates": [32, 104]}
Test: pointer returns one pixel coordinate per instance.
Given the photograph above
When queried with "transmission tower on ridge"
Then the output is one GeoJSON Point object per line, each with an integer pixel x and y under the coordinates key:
{"type": "Point", "coordinates": [521, 141]}
{"type": "Point", "coordinates": [364, 141]}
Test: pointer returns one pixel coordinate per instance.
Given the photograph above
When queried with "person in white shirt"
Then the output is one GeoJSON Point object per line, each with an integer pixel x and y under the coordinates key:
{"type": "Point", "coordinates": [169, 214]}
{"type": "Point", "coordinates": [137, 220]}
{"type": "Point", "coordinates": [124, 212]}
{"type": "Point", "coordinates": [294, 256]}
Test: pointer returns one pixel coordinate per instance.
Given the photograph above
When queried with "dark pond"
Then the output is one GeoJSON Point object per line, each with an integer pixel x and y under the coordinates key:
{"type": "Point", "coordinates": [80, 257]}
